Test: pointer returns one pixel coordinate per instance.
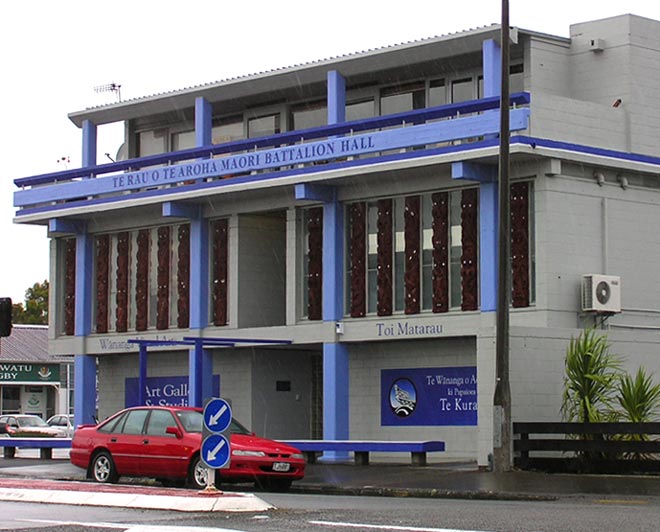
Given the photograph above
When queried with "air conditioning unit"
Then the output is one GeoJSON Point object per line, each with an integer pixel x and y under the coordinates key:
{"type": "Point", "coordinates": [601, 293]}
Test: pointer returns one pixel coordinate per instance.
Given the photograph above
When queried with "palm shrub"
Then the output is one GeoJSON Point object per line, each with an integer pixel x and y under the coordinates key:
{"type": "Point", "coordinates": [639, 401]}
{"type": "Point", "coordinates": [590, 378]}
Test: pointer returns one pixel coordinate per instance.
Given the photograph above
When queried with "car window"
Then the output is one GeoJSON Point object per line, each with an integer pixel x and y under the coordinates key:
{"type": "Point", "coordinates": [159, 420]}
{"type": "Point", "coordinates": [191, 420]}
{"type": "Point", "coordinates": [113, 425]}
{"type": "Point", "coordinates": [236, 428]}
{"type": "Point", "coordinates": [135, 422]}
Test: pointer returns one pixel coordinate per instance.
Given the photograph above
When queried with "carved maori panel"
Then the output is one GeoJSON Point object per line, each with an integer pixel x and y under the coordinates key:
{"type": "Point", "coordinates": [440, 227]}
{"type": "Point", "coordinates": [121, 314]}
{"type": "Point", "coordinates": [412, 227]}
{"type": "Point", "coordinates": [384, 268]}
{"type": "Point", "coordinates": [142, 281]}
{"type": "Point", "coordinates": [220, 271]}
{"type": "Point", "coordinates": [315, 263]}
{"type": "Point", "coordinates": [70, 287]}
{"type": "Point", "coordinates": [102, 282]}
{"type": "Point", "coordinates": [163, 279]}
{"type": "Point", "coordinates": [183, 278]}
{"type": "Point", "coordinates": [469, 258]}
{"type": "Point", "coordinates": [358, 217]}
{"type": "Point", "coordinates": [520, 244]}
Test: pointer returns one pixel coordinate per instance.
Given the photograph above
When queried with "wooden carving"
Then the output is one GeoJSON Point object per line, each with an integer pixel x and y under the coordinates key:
{"type": "Point", "coordinates": [384, 261]}
{"type": "Point", "coordinates": [440, 227]}
{"type": "Point", "coordinates": [142, 281]}
{"type": "Point", "coordinates": [412, 227]}
{"type": "Point", "coordinates": [102, 282]}
{"type": "Point", "coordinates": [163, 279]}
{"type": "Point", "coordinates": [121, 315]}
{"type": "Point", "coordinates": [70, 287]}
{"type": "Point", "coordinates": [183, 278]}
{"type": "Point", "coordinates": [315, 263]}
{"type": "Point", "coordinates": [220, 271]}
{"type": "Point", "coordinates": [358, 217]}
{"type": "Point", "coordinates": [469, 258]}
{"type": "Point", "coordinates": [520, 244]}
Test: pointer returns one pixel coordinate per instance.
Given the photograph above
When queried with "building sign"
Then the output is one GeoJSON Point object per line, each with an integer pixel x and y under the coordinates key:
{"type": "Point", "coordinates": [163, 391]}
{"type": "Point", "coordinates": [407, 329]}
{"type": "Point", "coordinates": [31, 373]}
{"type": "Point", "coordinates": [429, 396]}
{"type": "Point", "coordinates": [272, 158]}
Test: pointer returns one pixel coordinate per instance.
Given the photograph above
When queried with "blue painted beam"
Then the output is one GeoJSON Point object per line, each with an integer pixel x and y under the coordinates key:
{"type": "Point", "coordinates": [335, 396]}
{"type": "Point", "coordinates": [310, 192]}
{"type": "Point", "coordinates": [410, 117]}
{"type": "Point", "coordinates": [179, 209]}
{"type": "Point", "coordinates": [484, 173]}
{"type": "Point", "coordinates": [492, 68]}
{"type": "Point", "coordinates": [63, 226]}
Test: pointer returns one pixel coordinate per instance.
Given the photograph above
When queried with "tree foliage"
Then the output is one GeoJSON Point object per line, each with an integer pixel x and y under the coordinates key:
{"type": "Point", "coordinates": [34, 311]}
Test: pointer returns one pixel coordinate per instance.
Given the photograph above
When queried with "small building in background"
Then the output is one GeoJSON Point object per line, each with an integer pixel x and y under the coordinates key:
{"type": "Point", "coordinates": [31, 380]}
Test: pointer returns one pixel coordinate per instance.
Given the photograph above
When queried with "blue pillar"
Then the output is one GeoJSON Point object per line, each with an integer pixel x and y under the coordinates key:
{"type": "Point", "coordinates": [142, 378]}
{"type": "Point", "coordinates": [335, 355]}
{"type": "Point", "coordinates": [84, 365]}
{"type": "Point", "coordinates": [201, 378]}
{"type": "Point", "coordinates": [488, 224]}
{"type": "Point", "coordinates": [200, 360]}
{"type": "Point", "coordinates": [336, 98]}
{"type": "Point", "coordinates": [203, 122]}
{"type": "Point", "coordinates": [492, 68]}
{"type": "Point", "coordinates": [89, 143]}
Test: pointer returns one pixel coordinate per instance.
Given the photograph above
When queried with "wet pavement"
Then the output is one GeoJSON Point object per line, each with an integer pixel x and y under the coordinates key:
{"type": "Point", "coordinates": [443, 480]}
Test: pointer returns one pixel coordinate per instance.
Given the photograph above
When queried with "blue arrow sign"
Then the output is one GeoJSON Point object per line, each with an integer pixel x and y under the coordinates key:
{"type": "Point", "coordinates": [215, 451]}
{"type": "Point", "coordinates": [217, 415]}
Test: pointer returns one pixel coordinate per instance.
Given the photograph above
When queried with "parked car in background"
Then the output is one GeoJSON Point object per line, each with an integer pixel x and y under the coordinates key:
{"type": "Point", "coordinates": [27, 426]}
{"type": "Point", "coordinates": [164, 442]}
{"type": "Point", "coordinates": [63, 423]}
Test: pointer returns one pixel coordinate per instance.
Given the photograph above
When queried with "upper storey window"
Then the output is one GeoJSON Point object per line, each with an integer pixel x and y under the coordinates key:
{"type": "Point", "coordinates": [402, 98]}
{"type": "Point", "coordinates": [152, 142]}
{"type": "Point", "coordinates": [308, 115]}
{"type": "Point", "coordinates": [228, 129]}
{"type": "Point", "coordinates": [263, 126]}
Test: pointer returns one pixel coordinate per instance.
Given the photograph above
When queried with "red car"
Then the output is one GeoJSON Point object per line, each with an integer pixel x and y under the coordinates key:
{"type": "Point", "coordinates": [163, 442]}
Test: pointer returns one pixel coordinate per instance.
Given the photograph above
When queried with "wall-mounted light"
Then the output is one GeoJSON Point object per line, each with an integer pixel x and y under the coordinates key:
{"type": "Point", "coordinates": [600, 178]}
{"type": "Point", "coordinates": [623, 181]}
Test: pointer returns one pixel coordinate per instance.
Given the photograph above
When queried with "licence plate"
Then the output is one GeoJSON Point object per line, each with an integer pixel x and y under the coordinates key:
{"type": "Point", "coordinates": [281, 466]}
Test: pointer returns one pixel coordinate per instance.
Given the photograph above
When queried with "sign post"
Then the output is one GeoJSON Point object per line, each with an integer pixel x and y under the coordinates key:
{"type": "Point", "coordinates": [215, 451]}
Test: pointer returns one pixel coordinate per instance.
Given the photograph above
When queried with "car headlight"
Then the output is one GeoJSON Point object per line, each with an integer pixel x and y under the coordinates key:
{"type": "Point", "coordinates": [298, 455]}
{"type": "Point", "coordinates": [240, 452]}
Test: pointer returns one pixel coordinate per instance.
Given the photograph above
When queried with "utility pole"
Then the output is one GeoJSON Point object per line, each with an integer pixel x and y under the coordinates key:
{"type": "Point", "coordinates": [502, 454]}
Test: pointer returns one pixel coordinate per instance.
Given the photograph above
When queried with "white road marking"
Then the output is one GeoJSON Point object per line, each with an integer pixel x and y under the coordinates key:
{"type": "Point", "coordinates": [134, 527]}
{"type": "Point", "coordinates": [389, 527]}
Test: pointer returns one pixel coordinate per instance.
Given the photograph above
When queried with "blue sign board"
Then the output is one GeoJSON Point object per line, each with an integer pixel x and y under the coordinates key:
{"type": "Point", "coordinates": [163, 391]}
{"type": "Point", "coordinates": [217, 415]}
{"type": "Point", "coordinates": [429, 396]}
{"type": "Point", "coordinates": [215, 451]}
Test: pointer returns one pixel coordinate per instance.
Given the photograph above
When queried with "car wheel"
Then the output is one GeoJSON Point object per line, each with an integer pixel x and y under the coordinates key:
{"type": "Point", "coordinates": [198, 474]}
{"type": "Point", "coordinates": [103, 468]}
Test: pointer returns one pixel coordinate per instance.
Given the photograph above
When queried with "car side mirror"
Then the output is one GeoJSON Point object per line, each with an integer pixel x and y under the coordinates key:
{"type": "Point", "coordinates": [175, 431]}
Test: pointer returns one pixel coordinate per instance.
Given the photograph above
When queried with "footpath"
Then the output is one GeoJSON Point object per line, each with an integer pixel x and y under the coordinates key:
{"type": "Point", "coordinates": [27, 478]}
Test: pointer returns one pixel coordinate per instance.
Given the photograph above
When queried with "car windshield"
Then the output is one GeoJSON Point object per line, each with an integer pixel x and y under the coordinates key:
{"type": "Point", "coordinates": [31, 422]}
{"type": "Point", "coordinates": [192, 421]}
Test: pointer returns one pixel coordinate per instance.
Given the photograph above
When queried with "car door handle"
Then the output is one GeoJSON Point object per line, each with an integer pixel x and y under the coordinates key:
{"type": "Point", "coordinates": [113, 440]}
{"type": "Point", "coordinates": [145, 441]}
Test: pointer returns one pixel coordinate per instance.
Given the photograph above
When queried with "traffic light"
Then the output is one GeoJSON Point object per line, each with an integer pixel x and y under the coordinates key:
{"type": "Point", "coordinates": [5, 316]}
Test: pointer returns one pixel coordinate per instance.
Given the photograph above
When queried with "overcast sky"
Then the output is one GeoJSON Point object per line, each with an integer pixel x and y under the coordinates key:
{"type": "Point", "coordinates": [55, 52]}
